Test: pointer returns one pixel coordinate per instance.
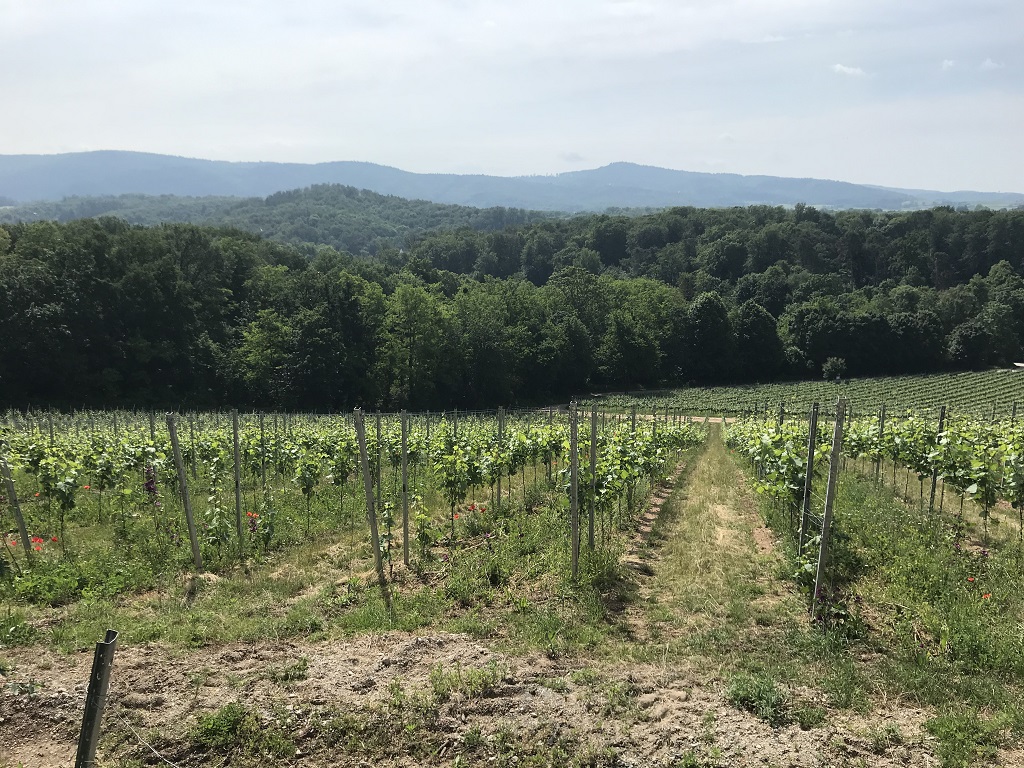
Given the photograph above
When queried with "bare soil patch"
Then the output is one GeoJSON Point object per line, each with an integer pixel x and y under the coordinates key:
{"type": "Point", "coordinates": [644, 714]}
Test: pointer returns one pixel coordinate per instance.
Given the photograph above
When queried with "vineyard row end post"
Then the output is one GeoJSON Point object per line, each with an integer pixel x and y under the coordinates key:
{"type": "Point", "coordinates": [805, 507]}
{"type": "Point", "coordinates": [186, 502]}
{"type": "Point", "coordinates": [835, 458]}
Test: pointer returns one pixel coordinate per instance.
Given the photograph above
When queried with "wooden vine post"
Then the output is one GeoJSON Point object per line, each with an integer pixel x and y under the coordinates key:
{"type": "Point", "coordinates": [935, 471]}
{"type": "Point", "coordinates": [574, 507]}
{"type": "Point", "coordinates": [501, 436]}
{"type": "Point", "coordinates": [172, 430]}
{"type": "Point", "coordinates": [805, 507]}
{"type": "Point", "coordinates": [881, 433]}
{"type": "Point", "coordinates": [238, 485]}
{"type": "Point", "coordinates": [263, 454]}
{"type": "Point", "coordinates": [830, 500]}
{"type": "Point", "coordinates": [378, 461]}
{"type": "Point", "coordinates": [405, 487]}
{"type": "Point", "coordinates": [26, 543]}
{"type": "Point", "coordinates": [593, 476]}
{"type": "Point", "coordinates": [371, 513]}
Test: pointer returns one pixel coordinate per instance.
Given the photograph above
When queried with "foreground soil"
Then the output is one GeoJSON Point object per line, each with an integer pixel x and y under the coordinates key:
{"type": "Point", "coordinates": [615, 714]}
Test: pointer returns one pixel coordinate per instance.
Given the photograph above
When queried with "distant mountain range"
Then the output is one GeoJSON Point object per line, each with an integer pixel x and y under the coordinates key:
{"type": "Point", "coordinates": [27, 178]}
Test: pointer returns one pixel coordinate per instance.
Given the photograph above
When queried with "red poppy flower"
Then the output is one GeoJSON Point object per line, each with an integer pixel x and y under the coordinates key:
{"type": "Point", "coordinates": [39, 549]}
{"type": "Point", "coordinates": [37, 494]}
{"type": "Point", "coordinates": [986, 596]}
{"type": "Point", "coordinates": [970, 578]}
{"type": "Point", "coordinates": [483, 509]}
{"type": "Point", "coordinates": [86, 487]}
{"type": "Point", "coordinates": [456, 517]}
{"type": "Point", "coordinates": [53, 538]}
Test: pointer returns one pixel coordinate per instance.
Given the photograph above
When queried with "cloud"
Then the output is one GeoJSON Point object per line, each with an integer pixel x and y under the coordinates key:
{"type": "Point", "coordinates": [988, 65]}
{"type": "Point", "coordinates": [572, 157]}
{"type": "Point", "coordinates": [842, 69]}
{"type": "Point", "coordinates": [947, 64]}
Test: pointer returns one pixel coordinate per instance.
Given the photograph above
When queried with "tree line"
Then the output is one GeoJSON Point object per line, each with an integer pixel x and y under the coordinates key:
{"type": "Point", "coordinates": [353, 220]}
{"type": "Point", "coordinates": [99, 312]}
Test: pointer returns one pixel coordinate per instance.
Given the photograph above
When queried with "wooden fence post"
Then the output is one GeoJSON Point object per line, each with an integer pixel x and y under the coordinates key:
{"type": "Point", "coordinates": [935, 471]}
{"type": "Point", "coordinates": [830, 500]}
{"type": "Point", "coordinates": [881, 433]}
{"type": "Point", "coordinates": [172, 429]}
{"type": "Point", "coordinates": [26, 542]}
{"type": "Point", "coordinates": [405, 487]}
{"type": "Point", "coordinates": [371, 514]}
{"type": "Point", "coordinates": [593, 475]}
{"type": "Point", "coordinates": [238, 485]}
{"type": "Point", "coordinates": [805, 507]}
{"type": "Point", "coordinates": [574, 509]}
{"type": "Point", "coordinates": [501, 435]}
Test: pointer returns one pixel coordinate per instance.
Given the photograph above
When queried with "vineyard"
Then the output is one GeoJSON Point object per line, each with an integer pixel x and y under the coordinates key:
{"type": "Point", "coordinates": [942, 572]}
{"type": "Point", "coordinates": [984, 394]}
{"type": "Point", "coordinates": [463, 502]}
{"type": "Point", "coordinates": [523, 588]}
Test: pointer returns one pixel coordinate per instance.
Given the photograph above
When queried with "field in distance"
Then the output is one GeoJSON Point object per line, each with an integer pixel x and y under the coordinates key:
{"type": "Point", "coordinates": [975, 392]}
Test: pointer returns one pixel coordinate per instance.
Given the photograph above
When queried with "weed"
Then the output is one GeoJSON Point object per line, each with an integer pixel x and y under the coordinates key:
{"type": "Point", "coordinates": [556, 684]}
{"type": "Point", "coordinates": [691, 760]}
{"type": "Point", "coordinates": [761, 696]}
{"type": "Point", "coordinates": [585, 676]}
{"type": "Point", "coordinates": [472, 738]}
{"type": "Point", "coordinates": [289, 673]}
{"type": "Point", "coordinates": [882, 739]}
{"type": "Point", "coordinates": [620, 698]}
{"type": "Point", "coordinates": [235, 730]}
{"type": "Point", "coordinates": [471, 683]}
{"type": "Point", "coordinates": [965, 736]}
{"type": "Point", "coordinates": [808, 716]}
{"type": "Point", "coordinates": [15, 629]}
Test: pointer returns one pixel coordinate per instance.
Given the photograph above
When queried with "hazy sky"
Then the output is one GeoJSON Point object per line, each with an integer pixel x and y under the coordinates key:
{"type": "Point", "coordinates": [909, 93]}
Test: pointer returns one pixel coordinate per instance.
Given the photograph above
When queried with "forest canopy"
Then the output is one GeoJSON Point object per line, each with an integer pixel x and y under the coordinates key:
{"type": "Point", "coordinates": [99, 312]}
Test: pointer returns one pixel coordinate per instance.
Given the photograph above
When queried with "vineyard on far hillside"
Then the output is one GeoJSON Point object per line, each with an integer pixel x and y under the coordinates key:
{"type": "Point", "coordinates": [978, 393]}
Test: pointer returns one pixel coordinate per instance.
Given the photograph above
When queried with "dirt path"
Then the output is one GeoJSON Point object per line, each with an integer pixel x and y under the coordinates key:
{"type": "Point", "coordinates": [711, 600]}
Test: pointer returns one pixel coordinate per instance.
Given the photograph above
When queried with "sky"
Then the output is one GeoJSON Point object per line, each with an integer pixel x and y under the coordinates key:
{"type": "Point", "coordinates": [907, 93]}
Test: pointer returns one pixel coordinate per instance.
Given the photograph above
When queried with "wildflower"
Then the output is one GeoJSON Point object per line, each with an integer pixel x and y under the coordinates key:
{"type": "Point", "coordinates": [37, 494]}
{"type": "Point", "coordinates": [38, 549]}
{"type": "Point", "coordinates": [53, 538]}
{"type": "Point", "coordinates": [85, 487]}
{"type": "Point", "coordinates": [456, 516]}
{"type": "Point", "coordinates": [483, 509]}
{"type": "Point", "coordinates": [970, 579]}
{"type": "Point", "coordinates": [986, 596]}
{"type": "Point", "coordinates": [36, 540]}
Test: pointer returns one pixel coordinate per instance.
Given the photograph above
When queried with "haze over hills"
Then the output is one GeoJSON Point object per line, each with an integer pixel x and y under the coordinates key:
{"type": "Point", "coordinates": [25, 178]}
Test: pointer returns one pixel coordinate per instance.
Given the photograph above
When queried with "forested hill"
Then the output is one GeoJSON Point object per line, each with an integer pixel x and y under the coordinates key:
{"type": "Point", "coordinates": [28, 178]}
{"type": "Point", "coordinates": [345, 218]}
{"type": "Point", "coordinates": [100, 312]}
